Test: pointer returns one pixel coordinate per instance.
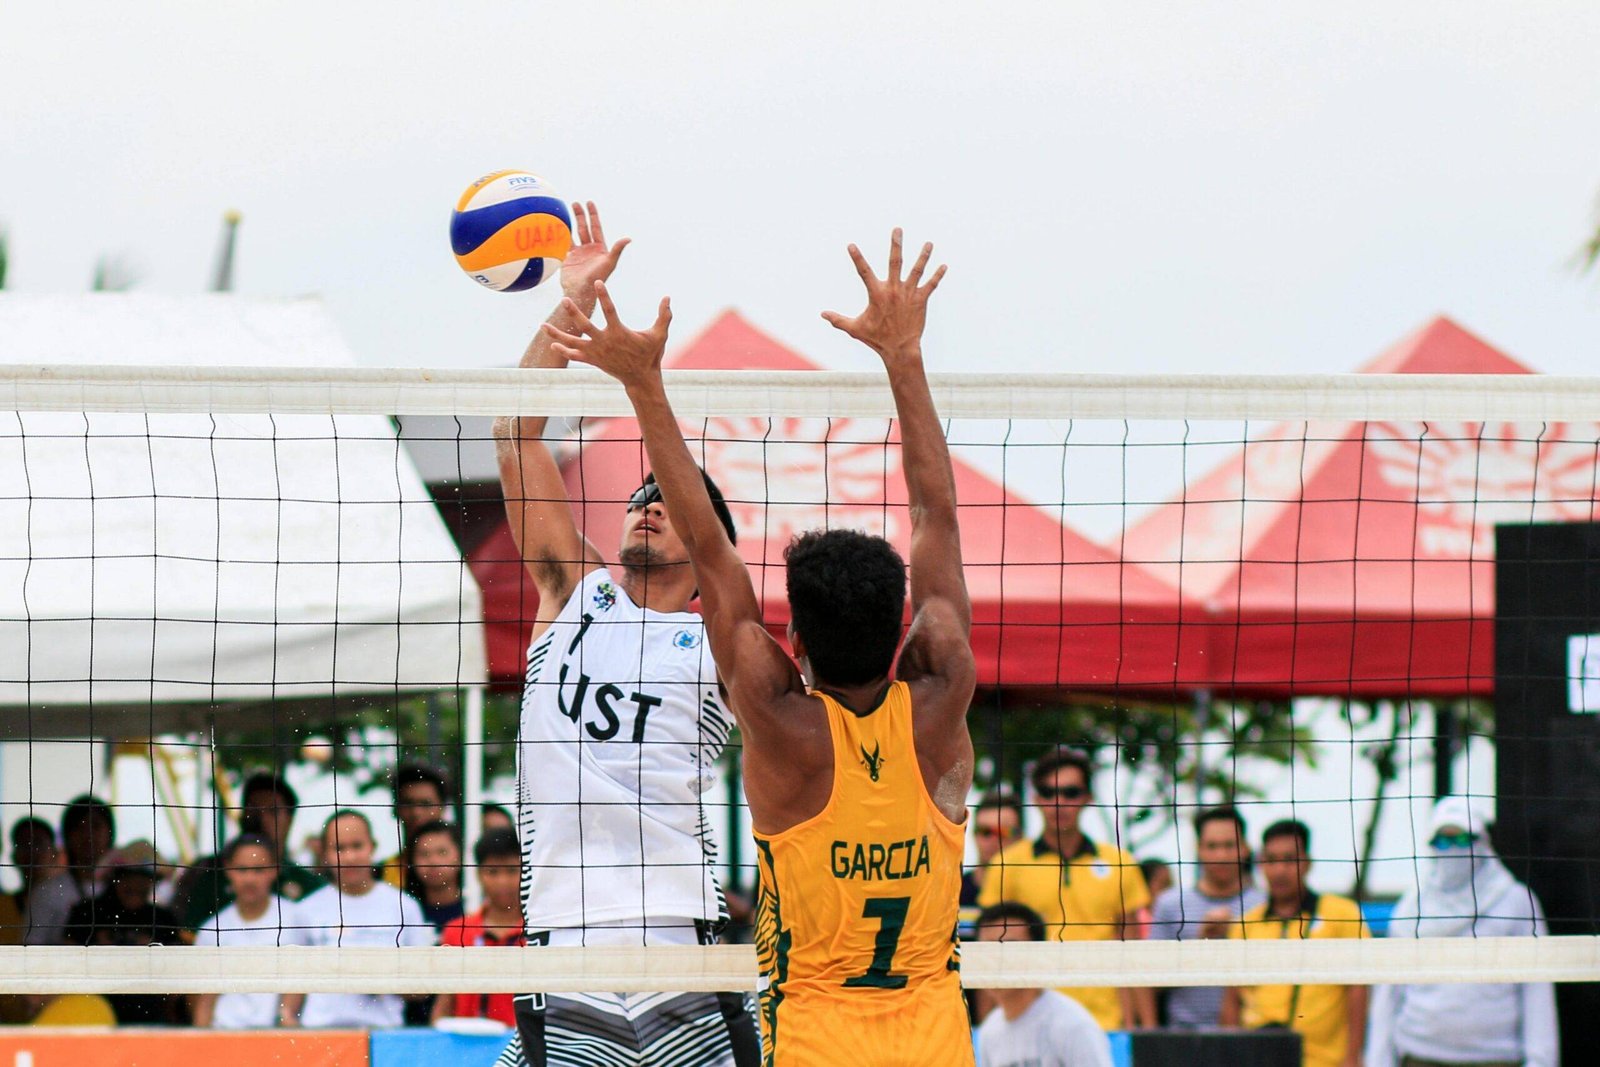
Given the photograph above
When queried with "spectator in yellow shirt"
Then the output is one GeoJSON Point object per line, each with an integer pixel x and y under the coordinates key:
{"type": "Point", "coordinates": [1084, 890]}
{"type": "Point", "coordinates": [1330, 1019]}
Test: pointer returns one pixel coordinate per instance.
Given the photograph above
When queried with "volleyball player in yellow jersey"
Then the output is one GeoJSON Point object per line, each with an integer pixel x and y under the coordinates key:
{"type": "Point", "coordinates": [856, 771]}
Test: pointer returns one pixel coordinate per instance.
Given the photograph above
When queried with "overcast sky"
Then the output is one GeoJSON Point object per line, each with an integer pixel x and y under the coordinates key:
{"type": "Point", "coordinates": [1257, 185]}
{"type": "Point", "coordinates": [1147, 187]}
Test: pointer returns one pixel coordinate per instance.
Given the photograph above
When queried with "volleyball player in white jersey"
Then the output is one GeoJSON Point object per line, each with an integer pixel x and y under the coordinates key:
{"type": "Point", "coordinates": [621, 723]}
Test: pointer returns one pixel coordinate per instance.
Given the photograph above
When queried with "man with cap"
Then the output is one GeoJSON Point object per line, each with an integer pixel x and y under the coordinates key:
{"type": "Point", "coordinates": [125, 913]}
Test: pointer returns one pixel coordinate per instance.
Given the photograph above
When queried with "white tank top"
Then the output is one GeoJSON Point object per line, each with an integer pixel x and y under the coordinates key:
{"type": "Point", "coordinates": [621, 723]}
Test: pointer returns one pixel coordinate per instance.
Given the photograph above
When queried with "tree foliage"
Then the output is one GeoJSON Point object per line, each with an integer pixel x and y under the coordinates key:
{"type": "Point", "coordinates": [1164, 756]}
{"type": "Point", "coordinates": [366, 740]}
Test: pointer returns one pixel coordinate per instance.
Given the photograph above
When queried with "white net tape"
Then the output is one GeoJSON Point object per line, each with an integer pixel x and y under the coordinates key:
{"type": "Point", "coordinates": [701, 394]}
{"type": "Point", "coordinates": [725, 967]}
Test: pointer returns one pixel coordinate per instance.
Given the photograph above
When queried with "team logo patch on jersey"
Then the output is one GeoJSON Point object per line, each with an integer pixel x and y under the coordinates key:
{"type": "Point", "coordinates": [873, 759]}
{"type": "Point", "coordinates": [605, 596]}
{"type": "Point", "coordinates": [1101, 870]}
{"type": "Point", "coordinates": [686, 639]}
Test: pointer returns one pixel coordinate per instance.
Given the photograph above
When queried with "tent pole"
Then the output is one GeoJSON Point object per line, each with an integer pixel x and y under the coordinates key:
{"type": "Point", "coordinates": [472, 792]}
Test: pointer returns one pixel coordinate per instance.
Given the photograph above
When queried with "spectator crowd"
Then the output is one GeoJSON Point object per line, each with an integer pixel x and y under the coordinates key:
{"type": "Point", "coordinates": [76, 889]}
{"type": "Point", "coordinates": [1061, 885]}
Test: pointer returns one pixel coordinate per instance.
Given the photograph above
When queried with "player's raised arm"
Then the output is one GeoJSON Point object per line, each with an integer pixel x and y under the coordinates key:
{"type": "Point", "coordinates": [540, 515]}
{"type": "Point", "coordinates": [750, 662]}
{"type": "Point", "coordinates": [938, 647]}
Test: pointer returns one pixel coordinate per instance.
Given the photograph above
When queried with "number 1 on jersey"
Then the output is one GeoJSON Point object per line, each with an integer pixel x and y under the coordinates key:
{"type": "Point", "coordinates": [891, 915]}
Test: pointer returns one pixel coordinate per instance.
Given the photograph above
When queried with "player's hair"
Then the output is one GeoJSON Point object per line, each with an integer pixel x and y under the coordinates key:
{"type": "Point", "coordinates": [415, 772]}
{"type": "Point", "coordinates": [81, 809]}
{"type": "Point", "coordinates": [1011, 913]}
{"type": "Point", "coordinates": [718, 504]}
{"type": "Point", "coordinates": [247, 841]}
{"type": "Point", "coordinates": [341, 813]}
{"type": "Point", "coordinates": [437, 826]}
{"type": "Point", "coordinates": [261, 781]}
{"type": "Point", "coordinates": [32, 824]}
{"type": "Point", "coordinates": [1061, 757]}
{"type": "Point", "coordinates": [847, 593]}
{"type": "Point", "coordinates": [1221, 813]}
{"type": "Point", "coordinates": [1151, 866]}
{"type": "Point", "coordinates": [1001, 797]}
{"type": "Point", "coordinates": [497, 845]}
{"type": "Point", "coordinates": [1290, 828]}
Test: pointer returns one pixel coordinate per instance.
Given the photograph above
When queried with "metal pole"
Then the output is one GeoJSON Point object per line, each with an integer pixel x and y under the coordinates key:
{"type": "Point", "coordinates": [472, 790]}
{"type": "Point", "coordinates": [1202, 722]}
{"type": "Point", "coordinates": [1446, 742]}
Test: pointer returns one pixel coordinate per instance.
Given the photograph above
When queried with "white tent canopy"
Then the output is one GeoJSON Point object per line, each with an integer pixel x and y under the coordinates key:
{"type": "Point", "coordinates": [153, 567]}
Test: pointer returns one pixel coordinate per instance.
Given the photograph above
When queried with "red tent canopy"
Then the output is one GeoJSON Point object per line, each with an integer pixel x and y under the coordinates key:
{"type": "Point", "coordinates": [1358, 558]}
{"type": "Point", "coordinates": [1051, 608]}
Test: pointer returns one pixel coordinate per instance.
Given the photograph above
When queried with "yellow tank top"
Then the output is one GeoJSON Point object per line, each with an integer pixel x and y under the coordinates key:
{"type": "Point", "coordinates": [856, 917]}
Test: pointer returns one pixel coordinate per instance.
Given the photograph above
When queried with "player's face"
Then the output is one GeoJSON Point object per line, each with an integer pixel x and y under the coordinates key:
{"type": "Point", "coordinates": [273, 814]}
{"type": "Point", "coordinates": [134, 888]}
{"type": "Point", "coordinates": [502, 883]}
{"type": "Point", "coordinates": [993, 829]}
{"type": "Point", "coordinates": [437, 860]}
{"type": "Point", "coordinates": [348, 848]}
{"type": "Point", "coordinates": [647, 535]}
{"type": "Point", "coordinates": [89, 841]}
{"type": "Point", "coordinates": [250, 872]}
{"type": "Point", "coordinates": [1284, 867]}
{"type": "Point", "coordinates": [1063, 798]}
{"type": "Point", "coordinates": [1004, 931]}
{"type": "Point", "coordinates": [418, 804]}
{"type": "Point", "coordinates": [1222, 850]}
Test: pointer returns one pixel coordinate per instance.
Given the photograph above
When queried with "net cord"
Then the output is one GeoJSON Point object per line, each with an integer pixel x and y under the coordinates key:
{"type": "Point", "coordinates": [733, 967]}
{"type": "Point", "coordinates": [706, 394]}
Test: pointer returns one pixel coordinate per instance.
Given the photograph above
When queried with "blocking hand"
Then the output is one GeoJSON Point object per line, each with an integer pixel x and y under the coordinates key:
{"type": "Point", "coordinates": [896, 308]}
{"type": "Point", "coordinates": [633, 357]}
{"type": "Point", "coordinates": [589, 260]}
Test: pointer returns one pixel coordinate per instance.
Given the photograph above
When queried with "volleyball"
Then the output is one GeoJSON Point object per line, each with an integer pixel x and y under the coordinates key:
{"type": "Point", "coordinates": [510, 231]}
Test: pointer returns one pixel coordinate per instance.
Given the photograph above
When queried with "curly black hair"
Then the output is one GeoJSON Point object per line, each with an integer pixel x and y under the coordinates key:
{"type": "Point", "coordinates": [847, 594]}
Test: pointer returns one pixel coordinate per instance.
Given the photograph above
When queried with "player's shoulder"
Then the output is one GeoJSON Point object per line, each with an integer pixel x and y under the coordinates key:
{"type": "Point", "coordinates": [319, 899]}
{"type": "Point", "coordinates": [455, 931]}
{"type": "Point", "coordinates": [1066, 1012]}
{"type": "Point", "coordinates": [1336, 909]}
{"type": "Point", "coordinates": [1022, 853]}
{"type": "Point", "coordinates": [1114, 855]}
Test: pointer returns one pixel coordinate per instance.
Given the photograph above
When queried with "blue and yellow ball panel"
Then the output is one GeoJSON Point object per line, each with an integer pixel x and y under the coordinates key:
{"type": "Point", "coordinates": [510, 231]}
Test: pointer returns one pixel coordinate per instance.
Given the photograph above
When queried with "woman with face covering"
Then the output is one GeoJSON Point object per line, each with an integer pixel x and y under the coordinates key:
{"type": "Point", "coordinates": [1463, 890]}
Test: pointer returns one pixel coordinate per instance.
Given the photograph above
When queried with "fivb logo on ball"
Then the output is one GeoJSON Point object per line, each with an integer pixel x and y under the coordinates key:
{"type": "Point", "coordinates": [510, 231]}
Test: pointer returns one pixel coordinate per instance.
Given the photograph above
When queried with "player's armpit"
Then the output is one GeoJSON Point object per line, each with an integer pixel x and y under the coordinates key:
{"type": "Point", "coordinates": [756, 670]}
{"type": "Point", "coordinates": [938, 647]}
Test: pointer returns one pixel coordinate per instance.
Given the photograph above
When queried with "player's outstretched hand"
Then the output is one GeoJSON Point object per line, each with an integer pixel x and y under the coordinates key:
{"type": "Point", "coordinates": [897, 307]}
{"type": "Point", "coordinates": [590, 260]}
{"type": "Point", "coordinates": [632, 357]}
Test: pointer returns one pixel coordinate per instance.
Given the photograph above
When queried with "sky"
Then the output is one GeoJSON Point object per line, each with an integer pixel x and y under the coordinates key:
{"type": "Point", "coordinates": [1149, 188]}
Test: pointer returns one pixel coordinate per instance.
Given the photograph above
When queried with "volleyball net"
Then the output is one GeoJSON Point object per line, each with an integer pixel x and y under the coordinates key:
{"type": "Point", "coordinates": [1326, 599]}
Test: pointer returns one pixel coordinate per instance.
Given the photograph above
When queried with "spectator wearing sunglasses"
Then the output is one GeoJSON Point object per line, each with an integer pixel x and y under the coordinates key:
{"type": "Point", "coordinates": [995, 824]}
{"type": "Point", "coordinates": [1083, 889]}
{"type": "Point", "coordinates": [1464, 890]}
